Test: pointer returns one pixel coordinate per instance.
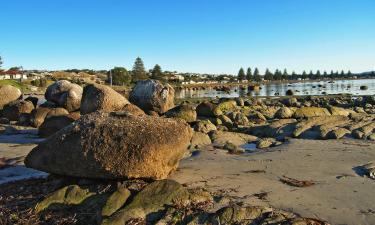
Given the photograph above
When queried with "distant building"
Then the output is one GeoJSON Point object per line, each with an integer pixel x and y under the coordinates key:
{"type": "Point", "coordinates": [177, 78]}
{"type": "Point", "coordinates": [12, 75]}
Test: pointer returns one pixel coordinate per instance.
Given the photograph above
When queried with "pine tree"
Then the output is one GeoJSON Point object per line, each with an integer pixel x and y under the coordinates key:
{"type": "Point", "coordinates": [311, 75]}
{"type": "Point", "coordinates": [241, 75]}
{"type": "Point", "coordinates": [285, 75]}
{"type": "Point", "coordinates": [317, 75]}
{"type": "Point", "coordinates": [325, 75]}
{"type": "Point", "coordinates": [332, 75]}
{"type": "Point", "coordinates": [139, 72]}
{"type": "Point", "coordinates": [156, 73]}
{"type": "Point", "coordinates": [342, 73]}
{"type": "Point", "coordinates": [268, 75]}
{"type": "Point", "coordinates": [1, 62]}
{"type": "Point", "coordinates": [304, 75]}
{"type": "Point", "coordinates": [257, 77]}
{"type": "Point", "coordinates": [249, 74]}
{"type": "Point", "coordinates": [277, 75]}
{"type": "Point", "coordinates": [349, 73]}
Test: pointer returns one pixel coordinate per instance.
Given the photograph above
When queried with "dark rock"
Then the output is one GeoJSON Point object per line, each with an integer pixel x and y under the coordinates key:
{"type": "Point", "coordinates": [14, 109]}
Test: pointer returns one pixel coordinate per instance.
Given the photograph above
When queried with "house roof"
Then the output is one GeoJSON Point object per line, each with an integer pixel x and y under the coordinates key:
{"type": "Point", "coordinates": [9, 72]}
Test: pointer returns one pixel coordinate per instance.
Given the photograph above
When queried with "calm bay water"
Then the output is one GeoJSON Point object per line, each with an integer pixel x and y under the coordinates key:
{"type": "Point", "coordinates": [279, 89]}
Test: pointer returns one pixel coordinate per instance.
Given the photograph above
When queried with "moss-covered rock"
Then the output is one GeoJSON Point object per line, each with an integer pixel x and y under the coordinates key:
{"type": "Point", "coordinates": [69, 195]}
{"type": "Point", "coordinates": [204, 126]}
{"type": "Point", "coordinates": [115, 201]}
{"type": "Point", "coordinates": [184, 111]}
{"type": "Point", "coordinates": [150, 202]}
{"type": "Point", "coordinates": [225, 107]}
{"type": "Point", "coordinates": [306, 112]}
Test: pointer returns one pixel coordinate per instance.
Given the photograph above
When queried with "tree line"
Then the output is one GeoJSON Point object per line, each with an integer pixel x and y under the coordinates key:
{"type": "Point", "coordinates": [121, 76]}
{"type": "Point", "coordinates": [284, 75]}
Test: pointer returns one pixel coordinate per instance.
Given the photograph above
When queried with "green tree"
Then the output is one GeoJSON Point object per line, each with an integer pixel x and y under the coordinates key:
{"type": "Point", "coordinates": [332, 75]}
{"type": "Point", "coordinates": [156, 73]}
{"type": "Point", "coordinates": [120, 76]}
{"type": "Point", "coordinates": [294, 76]}
{"type": "Point", "coordinates": [241, 75]}
{"type": "Point", "coordinates": [318, 74]}
{"type": "Point", "coordinates": [342, 73]}
{"type": "Point", "coordinates": [278, 75]}
{"type": "Point", "coordinates": [349, 73]}
{"type": "Point", "coordinates": [268, 75]}
{"type": "Point", "coordinates": [285, 75]}
{"type": "Point", "coordinates": [249, 74]}
{"type": "Point", "coordinates": [139, 72]}
{"type": "Point", "coordinates": [325, 74]}
{"type": "Point", "coordinates": [311, 75]}
{"type": "Point", "coordinates": [304, 75]}
{"type": "Point", "coordinates": [1, 62]}
{"type": "Point", "coordinates": [256, 75]}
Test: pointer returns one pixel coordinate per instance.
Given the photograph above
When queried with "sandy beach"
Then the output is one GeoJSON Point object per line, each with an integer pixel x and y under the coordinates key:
{"type": "Point", "coordinates": [340, 195]}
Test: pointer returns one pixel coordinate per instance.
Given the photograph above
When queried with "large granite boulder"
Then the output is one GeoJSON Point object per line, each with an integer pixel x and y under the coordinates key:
{"type": "Point", "coordinates": [100, 97]}
{"type": "Point", "coordinates": [65, 94]}
{"type": "Point", "coordinates": [152, 95]}
{"type": "Point", "coordinates": [8, 94]}
{"type": "Point", "coordinates": [114, 146]}
{"type": "Point", "coordinates": [13, 110]}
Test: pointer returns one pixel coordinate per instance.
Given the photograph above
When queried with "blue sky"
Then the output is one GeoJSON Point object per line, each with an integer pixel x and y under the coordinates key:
{"type": "Point", "coordinates": [208, 36]}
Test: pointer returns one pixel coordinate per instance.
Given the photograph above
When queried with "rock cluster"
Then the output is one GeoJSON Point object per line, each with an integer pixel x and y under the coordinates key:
{"type": "Point", "coordinates": [158, 202]}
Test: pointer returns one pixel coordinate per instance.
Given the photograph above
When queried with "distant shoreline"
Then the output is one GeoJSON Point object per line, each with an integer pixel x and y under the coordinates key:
{"type": "Point", "coordinates": [261, 83]}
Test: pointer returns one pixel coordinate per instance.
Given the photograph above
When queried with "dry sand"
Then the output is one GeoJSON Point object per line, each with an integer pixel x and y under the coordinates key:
{"type": "Point", "coordinates": [340, 195]}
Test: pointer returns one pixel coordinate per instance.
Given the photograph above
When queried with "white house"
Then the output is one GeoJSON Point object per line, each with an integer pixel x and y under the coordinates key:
{"type": "Point", "coordinates": [12, 75]}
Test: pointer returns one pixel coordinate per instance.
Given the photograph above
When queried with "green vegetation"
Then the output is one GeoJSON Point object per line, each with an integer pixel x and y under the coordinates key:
{"type": "Point", "coordinates": [42, 82]}
{"type": "Point", "coordinates": [241, 75]}
{"type": "Point", "coordinates": [139, 72]}
{"type": "Point", "coordinates": [120, 76]}
{"type": "Point", "coordinates": [249, 74]}
{"type": "Point", "coordinates": [284, 75]}
{"type": "Point", "coordinates": [156, 73]}
{"type": "Point", "coordinates": [13, 83]}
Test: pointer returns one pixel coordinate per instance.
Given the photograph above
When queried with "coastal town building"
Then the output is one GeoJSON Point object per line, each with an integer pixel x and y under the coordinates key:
{"type": "Point", "coordinates": [12, 75]}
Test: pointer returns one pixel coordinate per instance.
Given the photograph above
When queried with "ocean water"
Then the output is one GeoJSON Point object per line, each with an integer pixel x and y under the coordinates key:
{"type": "Point", "coordinates": [325, 87]}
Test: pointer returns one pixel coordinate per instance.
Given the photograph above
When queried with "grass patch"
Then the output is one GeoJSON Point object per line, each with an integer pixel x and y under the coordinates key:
{"type": "Point", "coordinates": [13, 83]}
